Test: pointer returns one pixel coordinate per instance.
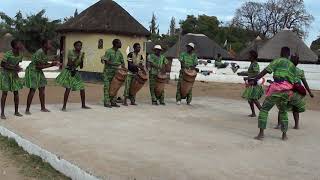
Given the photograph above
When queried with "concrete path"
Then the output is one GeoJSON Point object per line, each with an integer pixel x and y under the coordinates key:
{"type": "Point", "coordinates": [213, 139]}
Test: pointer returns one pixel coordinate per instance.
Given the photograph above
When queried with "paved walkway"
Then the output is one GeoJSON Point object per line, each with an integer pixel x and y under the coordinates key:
{"type": "Point", "coordinates": [213, 139]}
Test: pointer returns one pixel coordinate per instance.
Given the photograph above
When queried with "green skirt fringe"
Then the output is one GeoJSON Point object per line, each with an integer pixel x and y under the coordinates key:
{"type": "Point", "coordinates": [253, 92]}
{"type": "Point", "coordinates": [10, 81]}
{"type": "Point", "coordinates": [75, 83]}
{"type": "Point", "coordinates": [34, 78]}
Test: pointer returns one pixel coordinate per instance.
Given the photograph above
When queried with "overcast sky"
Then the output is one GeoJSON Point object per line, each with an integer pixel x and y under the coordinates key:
{"type": "Point", "coordinates": [142, 10]}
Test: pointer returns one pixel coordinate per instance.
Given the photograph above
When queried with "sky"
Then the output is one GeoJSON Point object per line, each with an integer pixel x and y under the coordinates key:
{"type": "Point", "coordinates": [142, 10]}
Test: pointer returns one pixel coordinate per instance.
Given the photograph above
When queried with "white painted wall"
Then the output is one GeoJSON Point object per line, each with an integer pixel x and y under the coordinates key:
{"type": "Point", "coordinates": [226, 75]}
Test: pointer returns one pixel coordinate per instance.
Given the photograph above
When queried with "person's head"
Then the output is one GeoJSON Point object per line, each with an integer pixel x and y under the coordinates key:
{"type": "Point", "coordinates": [117, 43]}
{"type": "Point", "coordinates": [295, 59]}
{"type": "Point", "coordinates": [253, 55]}
{"type": "Point", "coordinates": [77, 45]}
{"type": "Point", "coordinates": [219, 55]}
{"type": "Point", "coordinates": [190, 47]}
{"type": "Point", "coordinates": [157, 49]}
{"type": "Point", "coordinates": [16, 45]}
{"type": "Point", "coordinates": [285, 52]}
{"type": "Point", "coordinates": [136, 47]}
{"type": "Point", "coordinates": [46, 44]}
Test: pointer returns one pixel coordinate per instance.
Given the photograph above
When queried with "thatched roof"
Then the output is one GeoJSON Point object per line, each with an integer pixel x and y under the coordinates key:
{"type": "Point", "coordinates": [255, 45]}
{"type": "Point", "coordinates": [205, 47]}
{"type": "Point", "coordinates": [272, 48]}
{"type": "Point", "coordinates": [5, 42]}
{"type": "Point", "coordinates": [105, 16]}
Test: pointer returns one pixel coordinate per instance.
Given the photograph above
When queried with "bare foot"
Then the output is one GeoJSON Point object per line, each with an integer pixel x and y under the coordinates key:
{"type": "Point", "coordinates": [64, 109]}
{"type": "Point", "coordinates": [86, 107]}
{"type": "Point", "coordinates": [45, 110]}
{"type": "Point", "coordinates": [260, 138]}
{"type": "Point", "coordinates": [252, 115]}
{"type": "Point", "coordinates": [3, 117]}
{"type": "Point", "coordinates": [296, 127]}
{"type": "Point", "coordinates": [28, 112]}
{"type": "Point", "coordinates": [277, 126]}
{"type": "Point", "coordinates": [284, 137]}
{"type": "Point", "coordinates": [18, 114]}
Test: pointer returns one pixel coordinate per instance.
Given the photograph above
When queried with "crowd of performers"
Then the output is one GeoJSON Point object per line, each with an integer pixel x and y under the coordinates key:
{"type": "Point", "coordinates": [285, 91]}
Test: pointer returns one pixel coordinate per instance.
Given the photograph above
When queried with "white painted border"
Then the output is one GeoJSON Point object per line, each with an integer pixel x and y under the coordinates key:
{"type": "Point", "coordinates": [61, 165]}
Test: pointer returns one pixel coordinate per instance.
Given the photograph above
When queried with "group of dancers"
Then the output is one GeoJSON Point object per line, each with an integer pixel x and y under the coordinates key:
{"type": "Point", "coordinates": [285, 91]}
{"type": "Point", "coordinates": [70, 77]}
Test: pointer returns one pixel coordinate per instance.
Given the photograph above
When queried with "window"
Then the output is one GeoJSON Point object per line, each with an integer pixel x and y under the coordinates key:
{"type": "Point", "coordinates": [100, 44]}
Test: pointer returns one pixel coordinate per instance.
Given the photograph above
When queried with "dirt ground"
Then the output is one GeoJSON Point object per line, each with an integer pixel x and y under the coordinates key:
{"type": "Point", "coordinates": [94, 93]}
{"type": "Point", "coordinates": [8, 169]}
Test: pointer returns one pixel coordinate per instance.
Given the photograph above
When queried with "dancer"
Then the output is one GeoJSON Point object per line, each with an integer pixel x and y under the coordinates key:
{"type": "Point", "coordinates": [112, 59]}
{"type": "Point", "coordinates": [156, 64]}
{"type": "Point", "coordinates": [297, 102]}
{"type": "Point", "coordinates": [34, 78]}
{"type": "Point", "coordinates": [278, 93]}
{"type": "Point", "coordinates": [9, 79]}
{"type": "Point", "coordinates": [70, 78]}
{"type": "Point", "coordinates": [188, 60]}
{"type": "Point", "coordinates": [135, 62]}
{"type": "Point", "coordinates": [253, 91]}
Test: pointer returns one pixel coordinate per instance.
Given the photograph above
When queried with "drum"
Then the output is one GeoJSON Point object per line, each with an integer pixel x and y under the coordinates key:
{"type": "Point", "coordinates": [188, 78]}
{"type": "Point", "coordinates": [160, 83]}
{"type": "Point", "coordinates": [117, 81]}
{"type": "Point", "coordinates": [138, 82]}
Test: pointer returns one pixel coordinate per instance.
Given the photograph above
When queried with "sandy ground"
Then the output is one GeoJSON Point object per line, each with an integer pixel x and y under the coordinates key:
{"type": "Point", "coordinates": [94, 93]}
{"type": "Point", "coordinates": [213, 139]}
{"type": "Point", "coordinates": [94, 96]}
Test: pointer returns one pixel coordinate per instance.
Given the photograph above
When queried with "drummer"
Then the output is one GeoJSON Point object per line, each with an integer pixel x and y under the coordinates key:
{"type": "Point", "coordinates": [135, 62]}
{"type": "Point", "coordinates": [188, 60]}
{"type": "Point", "coordinates": [112, 59]}
{"type": "Point", "coordinates": [156, 64]}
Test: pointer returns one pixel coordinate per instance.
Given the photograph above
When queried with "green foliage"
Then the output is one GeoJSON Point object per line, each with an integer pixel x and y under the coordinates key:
{"type": "Point", "coordinates": [31, 29]}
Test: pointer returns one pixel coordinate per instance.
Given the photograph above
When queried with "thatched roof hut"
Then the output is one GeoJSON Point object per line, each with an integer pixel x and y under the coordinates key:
{"type": "Point", "coordinates": [5, 42]}
{"type": "Point", "coordinates": [271, 49]}
{"type": "Point", "coordinates": [205, 47]}
{"type": "Point", "coordinates": [255, 45]}
{"type": "Point", "coordinates": [106, 16]}
{"type": "Point", "coordinates": [96, 27]}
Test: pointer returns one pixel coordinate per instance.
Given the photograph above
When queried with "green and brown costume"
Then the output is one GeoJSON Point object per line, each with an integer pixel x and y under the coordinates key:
{"type": "Point", "coordinates": [219, 64]}
{"type": "Point", "coordinates": [253, 92]}
{"type": "Point", "coordinates": [136, 60]}
{"type": "Point", "coordinates": [283, 70]}
{"type": "Point", "coordinates": [115, 57]}
{"type": "Point", "coordinates": [187, 61]}
{"type": "Point", "coordinates": [34, 77]}
{"type": "Point", "coordinates": [9, 79]}
{"type": "Point", "coordinates": [160, 63]}
{"type": "Point", "coordinates": [69, 77]}
{"type": "Point", "coordinates": [297, 101]}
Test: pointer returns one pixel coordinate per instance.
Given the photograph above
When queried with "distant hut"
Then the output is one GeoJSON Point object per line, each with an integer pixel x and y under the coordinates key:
{"type": "Point", "coordinates": [96, 27]}
{"type": "Point", "coordinates": [271, 49]}
{"type": "Point", "coordinates": [205, 47]}
{"type": "Point", "coordinates": [255, 45]}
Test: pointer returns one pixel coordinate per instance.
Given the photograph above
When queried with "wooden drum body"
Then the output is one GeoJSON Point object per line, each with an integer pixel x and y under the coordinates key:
{"type": "Point", "coordinates": [160, 83]}
{"type": "Point", "coordinates": [117, 81]}
{"type": "Point", "coordinates": [188, 78]}
{"type": "Point", "coordinates": [138, 82]}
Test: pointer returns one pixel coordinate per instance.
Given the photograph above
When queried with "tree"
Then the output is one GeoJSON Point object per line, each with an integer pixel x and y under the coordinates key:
{"type": "Point", "coordinates": [32, 29]}
{"type": "Point", "coordinates": [268, 18]}
{"type": "Point", "coordinates": [76, 13]}
{"type": "Point", "coordinates": [203, 24]}
{"type": "Point", "coordinates": [153, 25]}
{"type": "Point", "coordinates": [172, 30]}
